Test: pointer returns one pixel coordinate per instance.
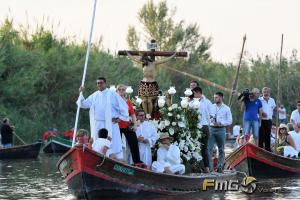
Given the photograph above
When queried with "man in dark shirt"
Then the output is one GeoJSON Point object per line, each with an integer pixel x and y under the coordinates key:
{"type": "Point", "coordinates": [6, 134]}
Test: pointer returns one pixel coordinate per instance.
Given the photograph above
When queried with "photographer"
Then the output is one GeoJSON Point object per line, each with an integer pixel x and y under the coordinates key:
{"type": "Point", "coordinates": [252, 108]}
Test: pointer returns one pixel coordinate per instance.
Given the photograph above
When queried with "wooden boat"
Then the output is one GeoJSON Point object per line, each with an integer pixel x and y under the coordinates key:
{"type": "Point", "coordinates": [21, 152]}
{"type": "Point", "coordinates": [260, 163]}
{"type": "Point", "coordinates": [92, 176]}
{"type": "Point", "coordinates": [57, 145]}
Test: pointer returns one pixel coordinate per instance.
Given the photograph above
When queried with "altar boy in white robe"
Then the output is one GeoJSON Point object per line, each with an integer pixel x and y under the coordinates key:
{"type": "Point", "coordinates": [168, 157]}
{"type": "Point", "coordinates": [107, 108]}
{"type": "Point", "coordinates": [147, 136]}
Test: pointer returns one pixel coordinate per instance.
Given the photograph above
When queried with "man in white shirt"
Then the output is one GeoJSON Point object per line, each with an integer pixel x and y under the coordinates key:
{"type": "Point", "coordinates": [168, 157]}
{"type": "Point", "coordinates": [147, 136]}
{"type": "Point", "coordinates": [282, 114]}
{"type": "Point", "coordinates": [204, 111]}
{"type": "Point", "coordinates": [268, 106]}
{"type": "Point", "coordinates": [220, 118]}
{"type": "Point", "coordinates": [107, 108]}
{"type": "Point", "coordinates": [295, 134]}
{"type": "Point", "coordinates": [295, 116]}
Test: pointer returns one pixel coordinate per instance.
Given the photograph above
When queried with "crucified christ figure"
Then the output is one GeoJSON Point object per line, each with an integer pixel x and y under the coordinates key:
{"type": "Point", "coordinates": [148, 87]}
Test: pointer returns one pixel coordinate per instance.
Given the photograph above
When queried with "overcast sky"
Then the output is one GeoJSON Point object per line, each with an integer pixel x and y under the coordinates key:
{"type": "Point", "coordinates": [226, 21]}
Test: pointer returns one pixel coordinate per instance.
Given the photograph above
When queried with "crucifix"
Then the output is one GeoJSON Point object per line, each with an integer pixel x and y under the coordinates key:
{"type": "Point", "coordinates": [148, 87]}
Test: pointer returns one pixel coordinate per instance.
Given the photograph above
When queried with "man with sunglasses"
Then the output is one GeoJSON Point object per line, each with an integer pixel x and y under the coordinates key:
{"type": "Point", "coordinates": [107, 108]}
{"type": "Point", "coordinates": [295, 116]}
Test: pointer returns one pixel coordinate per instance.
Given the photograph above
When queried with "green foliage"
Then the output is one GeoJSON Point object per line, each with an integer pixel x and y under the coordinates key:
{"type": "Point", "coordinates": [40, 75]}
{"type": "Point", "coordinates": [158, 24]}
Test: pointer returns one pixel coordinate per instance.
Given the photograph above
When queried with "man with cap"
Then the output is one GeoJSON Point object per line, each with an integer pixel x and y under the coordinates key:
{"type": "Point", "coordinates": [168, 157]}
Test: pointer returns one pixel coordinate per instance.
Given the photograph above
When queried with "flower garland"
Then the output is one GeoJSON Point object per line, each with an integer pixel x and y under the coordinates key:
{"type": "Point", "coordinates": [182, 125]}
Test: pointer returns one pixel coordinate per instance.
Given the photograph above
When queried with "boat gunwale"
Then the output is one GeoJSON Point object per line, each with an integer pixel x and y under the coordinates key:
{"type": "Point", "coordinates": [141, 170]}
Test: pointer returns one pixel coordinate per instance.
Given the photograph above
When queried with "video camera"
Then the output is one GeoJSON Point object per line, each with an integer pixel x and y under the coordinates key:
{"type": "Point", "coordinates": [245, 95]}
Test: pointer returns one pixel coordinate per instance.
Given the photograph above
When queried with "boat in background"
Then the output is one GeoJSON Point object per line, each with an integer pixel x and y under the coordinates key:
{"type": "Point", "coordinates": [21, 152]}
{"type": "Point", "coordinates": [258, 162]}
{"type": "Point", "coordinates": [92, 176]}
{"type": "Point", "coordinates": [57, 145]}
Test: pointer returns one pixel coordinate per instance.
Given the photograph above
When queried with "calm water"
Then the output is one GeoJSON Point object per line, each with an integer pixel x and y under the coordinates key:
{"type": "Point", "coordinates": [39, 179]}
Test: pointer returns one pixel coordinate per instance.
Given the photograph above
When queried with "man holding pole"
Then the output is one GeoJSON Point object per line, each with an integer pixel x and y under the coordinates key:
{"type": "Point", "coordinates": [6, 134]}
{"type": "Point", "coordinates": [107, 108]}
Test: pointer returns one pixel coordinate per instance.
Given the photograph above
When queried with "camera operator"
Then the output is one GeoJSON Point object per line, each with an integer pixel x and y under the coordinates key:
{"type": "Point", "coordinates": [252, 108]}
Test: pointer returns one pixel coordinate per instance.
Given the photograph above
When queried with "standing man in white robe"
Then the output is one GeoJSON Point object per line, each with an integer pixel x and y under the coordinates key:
{"type": "Point", "coordinates": [147, 136]}
{"type": "Point", "coordinates": [107, 108]}
{"type": "Point", "coordinates": [168, 157]}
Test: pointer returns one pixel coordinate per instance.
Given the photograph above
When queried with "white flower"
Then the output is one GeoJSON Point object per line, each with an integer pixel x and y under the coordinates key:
{"type": "Point", "coordinates": [174, 106]}
{"type": "Point", "coordinates": [192, 147]}
{"type": "Point", "coordinates": [178, 116]}
{"type": "Point", "coordinates": [167, 122]}
{"type": "Point", "coordinates": [170, 114]}
{"type": "Point", "coordinates": [161, 125]}
{"type": "Point", "coordinates": [187, 157]}
{"type": "Point", "coordinates": [197, 156]}
{"type": "Point", "coordinates": [199, 126]}
{"type": "Point", "coordinates": [170, 108]}
{"type": "Point", "coordinates": [181, 124]}
{"type": "Point", "coordinates": [173, 123]}
{"type": "Point", "coordinates": [181, 144]}
{"type": "Point", "coordinates": [184, 102]}
{"type": "Point", "coordinates": [138, 100]}
{"type": "Point", "coordinates": [161, 101]}
{"type": "Point", "coordinates": [185, 149]}
{"type": "Point", "coordinates": [172, 90]}
{"type": "Point", "coordinates": [171, 131]}
{"type": "Point", "coordinates": [191, 104]}
{"type": "Point", "coordinates": [148, 116]}
{"type": "Point", "coordinates": [129, 90]}
{"type": "Point", "coordinates": [113, 88]}
{"type": "Point", "coordinates": [188, 92]}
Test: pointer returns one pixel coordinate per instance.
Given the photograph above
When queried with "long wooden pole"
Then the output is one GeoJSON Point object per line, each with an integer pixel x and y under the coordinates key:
{"type": "Point", "coordinates": [19, 138]}
{"type": "Point", "coordinates": [201, 80]}
{"type": "Point", "coordinates": [234, 85]}
{"type": "Point", "coordinates": [278, 89]}
{"type": "Point", "coordinates": [85, 68]}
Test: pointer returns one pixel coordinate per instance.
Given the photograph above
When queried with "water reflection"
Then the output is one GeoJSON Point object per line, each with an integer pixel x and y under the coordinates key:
{"type": "Point", "coordinates": [39, 179]}
{"type": "Point", "coordinates": [32, 179]}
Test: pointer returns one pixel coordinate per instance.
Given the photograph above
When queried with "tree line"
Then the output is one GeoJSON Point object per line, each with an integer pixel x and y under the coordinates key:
{"type": "Point", "coordinates": [40, 73]}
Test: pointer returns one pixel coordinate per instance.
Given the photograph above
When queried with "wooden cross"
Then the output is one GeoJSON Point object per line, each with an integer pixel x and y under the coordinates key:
{"type": "Point", "coordinates": [148, 88]}
{"type": "Point", "coordinates": [152, 53]}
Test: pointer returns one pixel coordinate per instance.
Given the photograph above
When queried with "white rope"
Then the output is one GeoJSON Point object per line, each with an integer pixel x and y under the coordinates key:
{"type": "Point", "coordinates": [85, 68]}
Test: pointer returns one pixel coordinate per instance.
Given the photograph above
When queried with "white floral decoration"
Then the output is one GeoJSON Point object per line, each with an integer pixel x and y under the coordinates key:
{"type": "Point", "coordinates": [129, 90]}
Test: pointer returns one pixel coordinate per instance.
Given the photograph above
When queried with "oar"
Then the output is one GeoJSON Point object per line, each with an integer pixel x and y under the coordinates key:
{"type": "Point", "coordinates": [85, 68]}
{"type": "Point", "coordinates": [19, 138]}
{"type": "Point", "coordinates": [278, 91]}
{"type": "Point", "coordinates": [202, 80]}
{"type": "Point", "coordinates": [235, 82]}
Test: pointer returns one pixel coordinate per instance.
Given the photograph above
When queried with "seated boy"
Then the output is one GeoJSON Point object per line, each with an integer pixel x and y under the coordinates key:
{"type": "Point", "coordinates": [102, 144]}
{"type": "Point", "coordinates": [168, 157]}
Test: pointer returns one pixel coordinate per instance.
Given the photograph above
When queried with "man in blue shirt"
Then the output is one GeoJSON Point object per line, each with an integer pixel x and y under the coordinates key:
{"type": "Point", "coordinates": [252, 109]}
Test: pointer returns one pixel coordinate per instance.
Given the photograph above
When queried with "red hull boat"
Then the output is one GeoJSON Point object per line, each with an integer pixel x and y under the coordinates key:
{"type": "Point", "coordinates": [260, 163]}
{"type": "Point", "coordinates": [92, 176]}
